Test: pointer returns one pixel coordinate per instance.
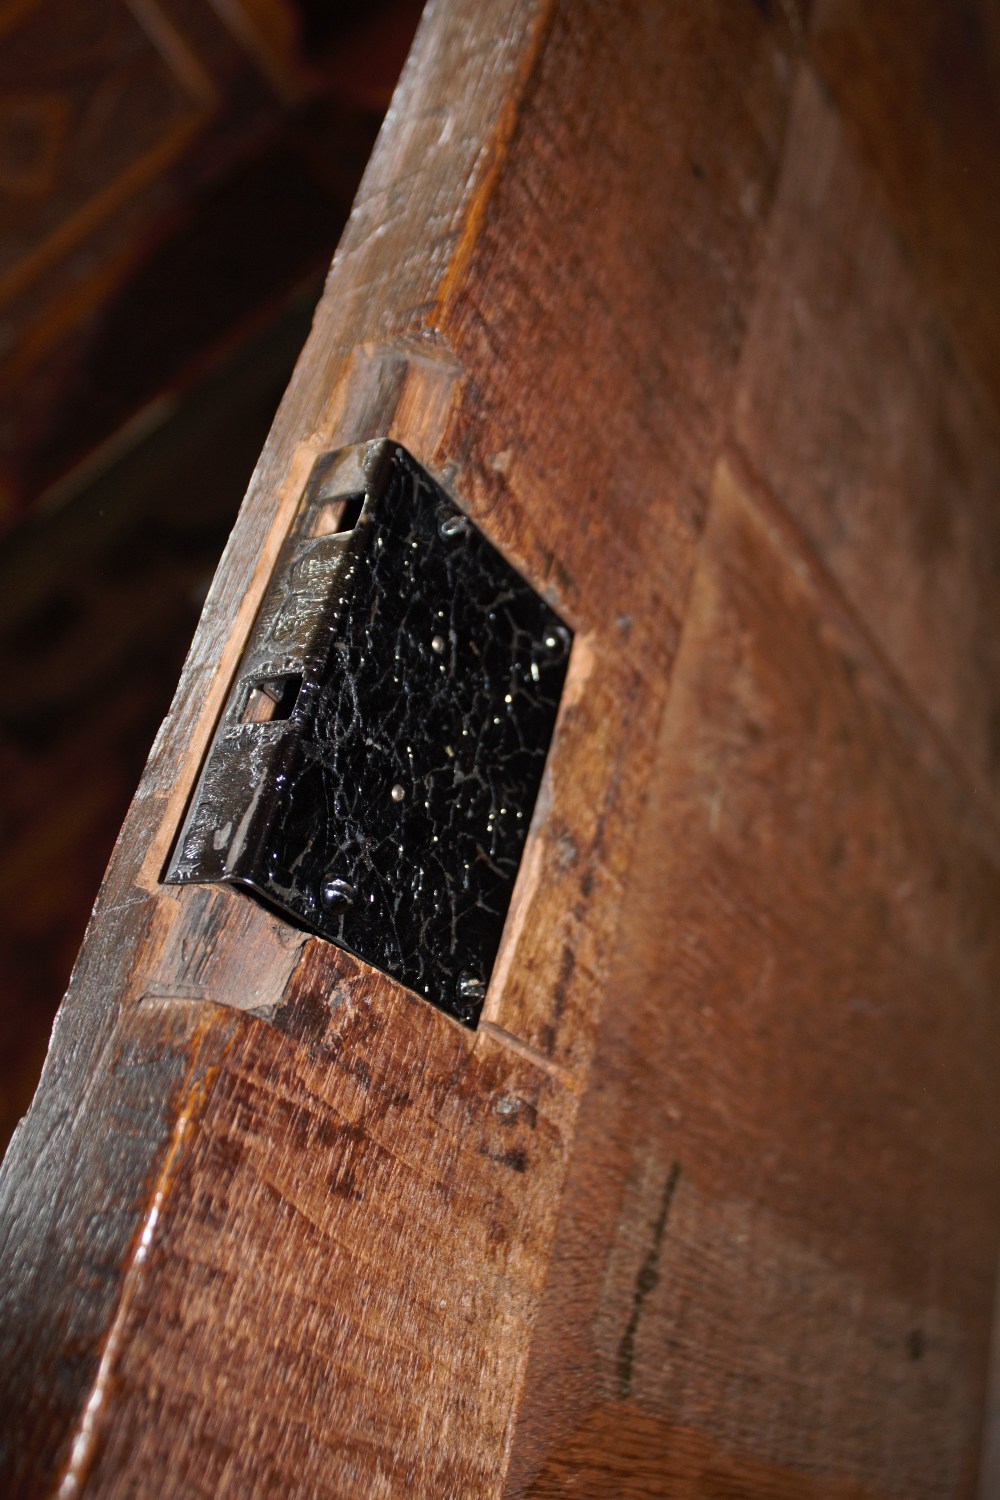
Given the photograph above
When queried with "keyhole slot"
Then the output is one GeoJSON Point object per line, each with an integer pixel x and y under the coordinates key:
{"type": "Point", "coordinates": [338, 515]}
{"type": "Point", "coordinates": [272, 699]}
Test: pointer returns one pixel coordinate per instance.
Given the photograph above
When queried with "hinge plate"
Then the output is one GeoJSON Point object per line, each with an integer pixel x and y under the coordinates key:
{"type": "Point", "coordinates": [376, 768]}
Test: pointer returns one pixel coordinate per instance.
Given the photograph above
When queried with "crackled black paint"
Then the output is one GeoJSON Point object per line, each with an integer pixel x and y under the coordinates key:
{"type": "Point", "coordinates": [412, 680]}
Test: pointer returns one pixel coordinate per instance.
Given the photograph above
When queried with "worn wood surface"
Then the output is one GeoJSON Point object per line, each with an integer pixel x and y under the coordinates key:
{"type": "Point", "coordinates": [766, 1251]}
{"type": "Point", "coordinates": [710, 1204]}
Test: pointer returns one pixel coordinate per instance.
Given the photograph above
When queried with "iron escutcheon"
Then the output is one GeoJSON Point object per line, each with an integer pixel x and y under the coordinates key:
{"type": "Point", "coordinates": [375, 771]}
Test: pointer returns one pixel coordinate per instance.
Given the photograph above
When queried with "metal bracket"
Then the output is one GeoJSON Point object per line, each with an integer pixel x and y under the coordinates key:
{"type": "Point", "coordinates": [375, 770]}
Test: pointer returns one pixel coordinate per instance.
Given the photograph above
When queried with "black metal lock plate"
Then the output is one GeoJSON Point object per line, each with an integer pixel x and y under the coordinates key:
{"type": "Point", "coordinates": [376, 768]}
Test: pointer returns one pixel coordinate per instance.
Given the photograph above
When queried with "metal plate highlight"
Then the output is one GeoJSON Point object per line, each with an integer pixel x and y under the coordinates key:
{"type": "Point", "coordinates": [376, 769]}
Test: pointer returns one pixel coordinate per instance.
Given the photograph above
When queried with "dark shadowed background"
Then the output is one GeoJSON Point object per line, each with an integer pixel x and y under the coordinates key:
{"type": "Point", "coordinates": [174, 177]}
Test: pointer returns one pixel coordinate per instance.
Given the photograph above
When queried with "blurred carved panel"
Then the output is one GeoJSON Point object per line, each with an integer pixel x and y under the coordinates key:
{"type": "Point", "coordinates": [93, 103]}
{"type": "Point", "coordinates": [150, 153]}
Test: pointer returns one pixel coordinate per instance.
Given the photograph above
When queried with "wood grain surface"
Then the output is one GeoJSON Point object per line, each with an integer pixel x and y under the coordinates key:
{"type": "Point", "coordinates": [766, 1239]}
{"type": "Point", "coordinates": [709, 1205]}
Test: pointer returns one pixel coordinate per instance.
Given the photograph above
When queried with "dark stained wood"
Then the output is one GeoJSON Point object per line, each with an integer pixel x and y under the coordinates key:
{"type": "Point", "coordinates": [624, 1450]}
{"type": "Point", "coordinates": [709, 1204]}
{"type": "Point", "coordinates": [750, 1260]}
{"type": "Point", "coordinates": [397, 1119]}
{"type": "Point", "coordinates": [704, 114]}
{"type": "Point", "coordinates": [875, 436]}
{"type": "Point", "coordinates": [97, 606]}
{"type": "Point", "coordinates": [919, 88]}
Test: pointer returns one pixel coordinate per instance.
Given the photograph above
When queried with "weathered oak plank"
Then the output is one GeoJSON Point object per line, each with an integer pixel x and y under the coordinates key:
{"type": "Point", "coordinates": [714, 1184]}
{"type": "Point", "coordinates": [868, 426]}
{"type": "Point", "coordinates": [918, 85]}
{"type": "Point", "coordinates": [794, 1092]}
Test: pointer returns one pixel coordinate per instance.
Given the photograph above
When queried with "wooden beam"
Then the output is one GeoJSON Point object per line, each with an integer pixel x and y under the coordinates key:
{"type": "Point", "coordinates": [709, 1201]}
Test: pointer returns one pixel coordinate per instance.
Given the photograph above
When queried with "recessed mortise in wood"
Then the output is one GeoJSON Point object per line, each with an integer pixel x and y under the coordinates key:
{"type": "Point", "coordinates": [337, 515]}
{"type": "Point", "coordinates": [273, 699]}
{"type": "Point", "coordinates": [375, 774]}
